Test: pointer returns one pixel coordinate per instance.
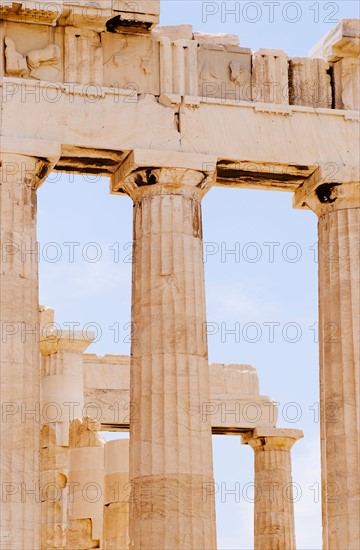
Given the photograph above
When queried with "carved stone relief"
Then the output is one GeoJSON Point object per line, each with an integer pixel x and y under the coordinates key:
{"type": "Point", "coordinates": [238, 73]}
{"type": "Point", "coordinates": [16, 64]}
{"type": "Point", "coordinates": [131, 62]}
{"type": "Point", "coordinates": [44, 64]}
{"type": "Point", "coordinates": [41, 64]}
{"type": "Point", "coordinates": [224, 72]}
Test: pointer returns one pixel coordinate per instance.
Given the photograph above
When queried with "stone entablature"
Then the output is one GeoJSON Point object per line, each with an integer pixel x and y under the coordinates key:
{"type": "Point", "coordinates": [235, 404]}
{"type": "Point", "coordinates": [173, 63]}
{"type": "Point", "coordinates": [76, 76]}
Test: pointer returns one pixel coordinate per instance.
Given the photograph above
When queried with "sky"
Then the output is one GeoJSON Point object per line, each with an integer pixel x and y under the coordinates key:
{"type": "Point", "coordinates": [260, 271]}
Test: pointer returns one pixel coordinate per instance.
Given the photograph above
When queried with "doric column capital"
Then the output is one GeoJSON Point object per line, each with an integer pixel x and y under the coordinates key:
{"type": "Point", "coordinates": [19, 168]}
{"type": "Point", "coordinates": [54, 340]}
{"type": "Point", "coordinates": [70, 341]}
{"type": "Point", "coordinates": [271, 439]}
{"type": "Point", "coordinates": [163, 173]}
{"type": "Point", "coordinates": [324, 197]}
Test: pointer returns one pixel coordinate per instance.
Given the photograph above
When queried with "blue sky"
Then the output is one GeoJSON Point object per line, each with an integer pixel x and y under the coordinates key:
{"type": "Point", "coordinates": [241, 292]}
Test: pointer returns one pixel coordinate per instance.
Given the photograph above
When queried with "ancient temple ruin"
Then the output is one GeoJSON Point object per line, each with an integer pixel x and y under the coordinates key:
{"type": "Point", "coordinates": [192, 110]}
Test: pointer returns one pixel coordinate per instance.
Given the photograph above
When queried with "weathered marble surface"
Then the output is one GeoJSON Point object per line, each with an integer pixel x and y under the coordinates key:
{"type": "Point", "coordinates": [83, 89]}
{"type": "Point", "coordinates": [116, 495]}
{"type": "Point", "coordinates": [338, 209]}
{"type": "Point", "coordinates": [274, 500]}
{"type": "Point", "coordinates": [19, 357]}
{"type": "Point", "coordinates": [171, 447]}
{"type": "Point", "coordinates": [235, 403]}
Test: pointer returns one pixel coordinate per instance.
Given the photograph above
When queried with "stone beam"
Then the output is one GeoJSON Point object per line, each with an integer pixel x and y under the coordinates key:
{"type": "Point", "coordinates": [235, 404]}
{"type": "Point", "coordinates": [220, 125]}
{"type": "Point", "coordinates": [214, 127]}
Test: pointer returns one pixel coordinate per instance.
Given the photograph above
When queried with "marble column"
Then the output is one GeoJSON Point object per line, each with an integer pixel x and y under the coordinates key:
{"type": "Point", "coordinates": [20, 360]}
{"type": "Point", "coordinates": [116, 495]}
{"type": "Point", "coordinates": [274, 526]}
{"type": "Point", "coordinates": [86, 485]}
{"type": "Point", "coordinates": [62, 400]}
{"type": "Point", "coordinates": [170, 440]}
{"type": "Point", "coordinates": [338, 209]}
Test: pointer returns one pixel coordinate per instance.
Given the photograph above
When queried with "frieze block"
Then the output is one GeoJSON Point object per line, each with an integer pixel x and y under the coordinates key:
{"type": "Point", "coordinates": [224, 72]}
{"type": "Point", "coordinates": [41, 64]}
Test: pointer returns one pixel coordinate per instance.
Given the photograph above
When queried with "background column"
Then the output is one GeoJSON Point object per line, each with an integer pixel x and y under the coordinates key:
{"type": "Point", "coordinates": [274, 525]}
{"type": "Point", "coordinates": [116, 495]}
{"type": "Point", "coordinates": [170, 441]}
{"type": "Point", "coordinates": [86, 485]}
{"type": "Point", "coordinates": [62, 400]}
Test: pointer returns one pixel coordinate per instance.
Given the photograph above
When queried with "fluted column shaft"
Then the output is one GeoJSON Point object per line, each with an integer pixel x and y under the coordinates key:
{"type": "Point", "coordinates": [170, 441]}
{"type": "Point", "coordinates": [339, 334]}
{"type": "Point", "coordinates": [274, 526]}
{"type": "Point", "coordinates": [62, 400]}
{"type": "Point", "coordinates": [337, 206]}
{"type": "Point", "coordinates": [20, 362]}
